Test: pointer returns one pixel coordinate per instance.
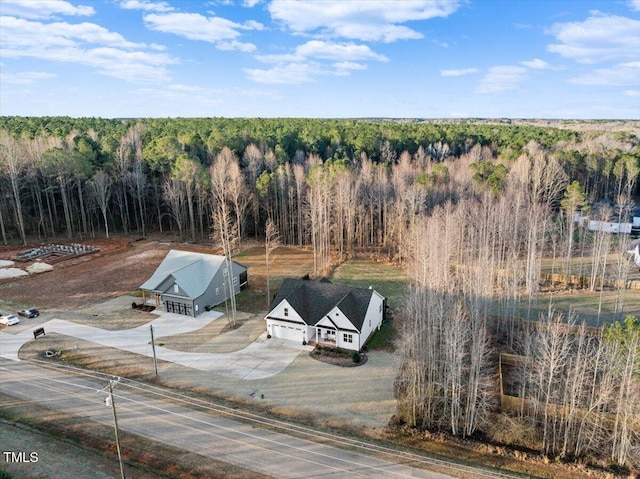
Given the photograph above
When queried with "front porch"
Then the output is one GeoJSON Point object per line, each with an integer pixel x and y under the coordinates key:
{"type": "Point", "coordinates": [152, 299]}
{"type": "Point", "coordinates": [323, 337]}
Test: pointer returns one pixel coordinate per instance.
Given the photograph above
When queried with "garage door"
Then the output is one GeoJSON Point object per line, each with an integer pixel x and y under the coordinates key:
{"type": "Point", "coordinates": [294, 333]}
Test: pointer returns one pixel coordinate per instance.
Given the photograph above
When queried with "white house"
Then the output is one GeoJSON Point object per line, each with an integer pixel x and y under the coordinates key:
{"type": "Point", "coordinates": [325, 313]}
{"type": "Point", "coordinates": [187, 282]}
{"type": "Point", "coordinates": [634, 249]}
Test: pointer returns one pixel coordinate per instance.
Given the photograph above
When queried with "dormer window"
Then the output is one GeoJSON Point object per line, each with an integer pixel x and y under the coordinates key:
{"type": "Point", "coordinates": [176, 289]}
{"type": "Point", "coordinates": [286, 312]}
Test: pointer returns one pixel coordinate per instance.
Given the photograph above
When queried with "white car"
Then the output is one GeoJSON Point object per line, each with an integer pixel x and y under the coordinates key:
{"type": "Point", "coordinates": [9, 319]}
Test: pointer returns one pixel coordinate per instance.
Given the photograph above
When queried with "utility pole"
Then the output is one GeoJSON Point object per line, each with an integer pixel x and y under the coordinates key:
{"type": "Point", "coordinates": [153, 346]}
{"type": "Point", "coordinates": [109, 401]}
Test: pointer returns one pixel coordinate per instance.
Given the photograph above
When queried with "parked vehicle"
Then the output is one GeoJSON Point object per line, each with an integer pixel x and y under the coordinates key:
{"type": "Point", "coordinates": [29, 313]}
{"type": "Point", "coordinates": [9, 319]}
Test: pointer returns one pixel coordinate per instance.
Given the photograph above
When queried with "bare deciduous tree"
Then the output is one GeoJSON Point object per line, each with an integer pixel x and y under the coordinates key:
{"type": "Point", "coordinates": [101, 187]}
{"type": "Point", "coordinates": [12, 161]}
{"type": "Point", "coordinates": [271, 242]}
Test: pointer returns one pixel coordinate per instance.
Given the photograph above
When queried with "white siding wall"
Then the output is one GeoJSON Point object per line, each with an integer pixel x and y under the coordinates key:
{"type": "Point", "coordinates": [341, 343]}
{"type": "Point", "coordinates": [278, 312]}
{"type": "Point", "coordinates": [291, 327]}
{"type": "Point", "coordinates": [373, 318]}
{"type": "Point", "coordinates": [339, 319]}
{"type": "Point", "coordinates": [290, 331]}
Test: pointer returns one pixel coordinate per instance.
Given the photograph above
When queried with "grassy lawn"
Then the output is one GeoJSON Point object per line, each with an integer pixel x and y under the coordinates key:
{"type": "Point", "coordinates": [287, 262]}
{"type": "Point", "coordinates": [388, 280]}
{"type": "Point", "coordinates": [585, 305]}
{"type": "Point", "coordinates": [249, 301]}
{"type": "Point", "coordinates": [384, 339]}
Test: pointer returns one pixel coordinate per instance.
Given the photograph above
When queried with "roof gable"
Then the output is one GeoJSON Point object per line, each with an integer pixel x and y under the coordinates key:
{"type": "Point", "coordinates": [193, 272]}
{"type": "Point", "coordinates": [313, 300]}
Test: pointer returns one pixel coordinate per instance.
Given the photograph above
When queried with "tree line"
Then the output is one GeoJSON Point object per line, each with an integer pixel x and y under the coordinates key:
{"type": "Point", "coordinates": [84, 177]}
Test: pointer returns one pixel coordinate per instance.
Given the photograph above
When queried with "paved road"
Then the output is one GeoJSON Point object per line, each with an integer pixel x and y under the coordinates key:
{"type": "Point", "coordinates": [261, 359]}
{"type": "Point", "coordinates": [214, 436]}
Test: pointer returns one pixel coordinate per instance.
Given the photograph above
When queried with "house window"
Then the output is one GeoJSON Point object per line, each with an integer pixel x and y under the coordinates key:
{"type": "Point", "coordinates": [225, 272]}
{"type": "Point", "coordinates": [380, 310]}
{"type": "Point", "coordinates": [347, 337]}
{"type": "Point", "coordinates": [176, 289]}
{"type": "Point", "coordinates": [217, 291]}
{"type": "Point", "coordinates": [286, 312]}
{"type": "Point", "coordinates": [235, 280]}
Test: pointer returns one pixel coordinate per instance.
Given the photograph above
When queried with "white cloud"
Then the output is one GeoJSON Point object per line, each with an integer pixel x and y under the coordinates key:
{"type": "Point", "coordinates": [634, 5]}
{"type": "Point", "coordinates": [536, 64]}
{"type": "Point", "coordinates": [501, 78]}
{"type": "Point", "coordinates": [632, 93]}
{"type": "Point", "coordinates": [250, 3]}
{"type": "Point", "coordinates": [252, 25]}
{"type": "Point", "coordinates": [217, 30]}
{"type": "Point", "coordinates": [322, 50]}
{"type": "Point", "coordinates": [312, 59]}
{"type": "Point", "coordinates": [24, 78]}
{"type": "Point", "coordinates": [291, 73]}
{"type": "Point", "coordinates": [146, 5]}
{"type": "Point", "coordinates": [345, 68]}
{"type": "Point", "coordinates": [622, 74]}
{"type": "Point", "coordinates": [235, 45]}
{"type": "Point", "coordinates": [302, 72]}
{"type": "Point", "coordinates": [17, 33]}
{"type": "Point", "coordinates": [85, 44]}
{"type": "Point", "coordinates": [42, 9]}
{"type": "Point", "coordinates": [599, 38]}
{"type": "Point", "coordinates": [365, 20]}
{"type": "Point", "coordinates": [458, 72]}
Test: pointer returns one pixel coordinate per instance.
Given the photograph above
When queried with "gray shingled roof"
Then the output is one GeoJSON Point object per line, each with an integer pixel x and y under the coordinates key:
{"type": "Point", "coordinates": [313, 300]}
{"type": "Point", "coordinates": [193, 272]}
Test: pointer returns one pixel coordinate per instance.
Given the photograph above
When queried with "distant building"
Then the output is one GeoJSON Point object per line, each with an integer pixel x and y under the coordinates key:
{"type": "Point", "coordinates": [634, 249]}
{"type": "Point", "coordinates": [325, 313]}
{"type": "Point", "coordinates": [186, 282]}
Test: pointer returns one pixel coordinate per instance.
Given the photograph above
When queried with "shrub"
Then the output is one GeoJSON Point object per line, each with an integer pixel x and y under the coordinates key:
{"type": "Point", "coordinates": [134, 305]}
{"type": "Point", "coordinates": [355, 356]}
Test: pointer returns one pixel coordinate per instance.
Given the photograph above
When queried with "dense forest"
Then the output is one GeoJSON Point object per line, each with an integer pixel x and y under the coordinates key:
{"type": "Point", "coordinates": [470, 209]}
{"type": "Point", "coordinates": [83, 177]}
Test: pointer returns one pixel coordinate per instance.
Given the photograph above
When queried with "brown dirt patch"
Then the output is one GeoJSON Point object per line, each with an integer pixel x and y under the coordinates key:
{"type": "Point", "coordinates": [120, 267]}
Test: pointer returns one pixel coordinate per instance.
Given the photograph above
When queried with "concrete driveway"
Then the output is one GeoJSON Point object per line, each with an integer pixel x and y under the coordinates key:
{"type": "Point", "coordinates": [261, 359]}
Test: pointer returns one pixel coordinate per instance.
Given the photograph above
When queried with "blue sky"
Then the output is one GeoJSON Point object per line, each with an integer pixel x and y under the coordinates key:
{"type": "Point", "coordinates": [321, 58]}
